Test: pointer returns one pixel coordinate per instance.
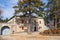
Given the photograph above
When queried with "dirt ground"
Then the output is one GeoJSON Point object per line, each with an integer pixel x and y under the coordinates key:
{"type": "Point", "coordinates": [25, 36]}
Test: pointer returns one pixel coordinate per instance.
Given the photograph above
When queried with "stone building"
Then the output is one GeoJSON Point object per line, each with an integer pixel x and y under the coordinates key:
{"type": "Point", "coordinates": [19, 24]}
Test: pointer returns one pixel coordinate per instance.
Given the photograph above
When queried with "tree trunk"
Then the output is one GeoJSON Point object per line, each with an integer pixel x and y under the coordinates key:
{"type": "Point", "coordinates": [55, 23]}
{"type": "Point", "coordinates": [28, 28]}
{"type": "Point", "coordinates": [29, 24]}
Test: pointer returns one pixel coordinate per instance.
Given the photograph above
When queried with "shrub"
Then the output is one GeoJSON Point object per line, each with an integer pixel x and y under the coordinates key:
{"type": "Point", "coordinates": [52, 31]}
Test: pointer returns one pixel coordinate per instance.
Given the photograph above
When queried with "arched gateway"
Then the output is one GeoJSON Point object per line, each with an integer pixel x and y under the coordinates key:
{"type": "Point", "coordinates": [5, 30]}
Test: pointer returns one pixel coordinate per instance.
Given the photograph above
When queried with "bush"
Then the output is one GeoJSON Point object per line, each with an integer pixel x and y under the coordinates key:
{"type": "Point", "coordinates": [52, 31]}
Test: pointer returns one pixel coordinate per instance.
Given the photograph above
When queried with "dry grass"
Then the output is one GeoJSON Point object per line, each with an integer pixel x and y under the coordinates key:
{"type": "Point", "coordinates": [30, 37]}
{"type": "Point", "coordinates": [1, 38]}
{"type": "Point", "coordinates": [23, 36]}
{"type": "Point", "coordinates": [51, 32]}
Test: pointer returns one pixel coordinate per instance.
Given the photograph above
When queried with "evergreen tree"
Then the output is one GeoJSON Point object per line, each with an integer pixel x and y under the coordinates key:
{"type": "Point", "coordinates": [5, 20]}
{"type": "Point", "coordinates": [54, 10]}
{"type": "Point", "coordinates": [28, 7]}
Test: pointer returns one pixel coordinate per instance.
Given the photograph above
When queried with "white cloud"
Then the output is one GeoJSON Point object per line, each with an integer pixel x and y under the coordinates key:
{"type": "Point", "coordinates": [7, 7]}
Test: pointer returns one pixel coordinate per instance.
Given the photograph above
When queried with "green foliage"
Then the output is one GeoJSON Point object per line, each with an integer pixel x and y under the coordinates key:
{"type": "Point", "coordinates": [5, 20]}
{"type": "Point", "coordinates": [54, 6]}
{"type": "Point", "coordinates": [30, 6]}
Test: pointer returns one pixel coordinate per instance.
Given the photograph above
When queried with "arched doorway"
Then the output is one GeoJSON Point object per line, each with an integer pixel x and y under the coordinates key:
{"type": "Point", "coordinates": [5, 30]}
{"type": "Point", "coordinates": [34, 27]}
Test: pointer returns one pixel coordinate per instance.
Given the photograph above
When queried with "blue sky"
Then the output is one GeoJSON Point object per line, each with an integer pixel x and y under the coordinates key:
{"type": "Point", "coordinates": [7, 5]}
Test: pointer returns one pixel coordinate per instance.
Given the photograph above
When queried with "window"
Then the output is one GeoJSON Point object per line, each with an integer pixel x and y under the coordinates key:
{"type": "Point", "coordinates": [40, 22]}
{"type": "Point", "coordinates": [40, 27]}
{"type": "Point", "coordinates": [22, 21]}
{"type": "Point", "coordinates": [22, 28]}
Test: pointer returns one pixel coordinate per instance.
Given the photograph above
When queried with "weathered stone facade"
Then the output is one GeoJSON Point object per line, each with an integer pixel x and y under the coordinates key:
{"type": "Point", "coordinates": [17, 25]}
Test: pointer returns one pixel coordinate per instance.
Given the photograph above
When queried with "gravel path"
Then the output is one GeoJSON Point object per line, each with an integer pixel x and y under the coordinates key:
{"type": "Point", "coordinates": [25, 36]}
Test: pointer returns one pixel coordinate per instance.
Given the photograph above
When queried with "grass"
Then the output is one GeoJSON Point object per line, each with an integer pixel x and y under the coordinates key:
{"type": "Point", "coordinates": [51, 32]}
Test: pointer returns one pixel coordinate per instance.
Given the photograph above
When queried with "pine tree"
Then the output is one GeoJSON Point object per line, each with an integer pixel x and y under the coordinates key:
{"type": "Point", "coordinates": [29, 7]}
{"type": "Point", "coordinates": [54, 6]}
